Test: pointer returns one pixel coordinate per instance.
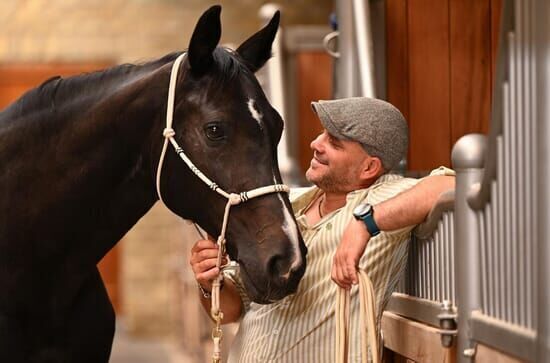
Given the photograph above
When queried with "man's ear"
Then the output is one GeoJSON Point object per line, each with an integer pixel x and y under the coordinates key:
{"type": "Point", "coordinates": [204, 40]}
{"type": "Point", "coordinates": [256, 50]}
{"type": "Point", "coordinates": [372, 168]}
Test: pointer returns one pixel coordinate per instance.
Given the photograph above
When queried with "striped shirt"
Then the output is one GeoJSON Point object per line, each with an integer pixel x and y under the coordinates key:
{"type": "Point", "coordinates": [301, 327]}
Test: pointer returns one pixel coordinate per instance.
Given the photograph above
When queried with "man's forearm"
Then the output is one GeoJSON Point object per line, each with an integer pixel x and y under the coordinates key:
{"type": "Point", "coordinates": [230, 303]}
{"type": "Point", "coordinates": [411, 206]}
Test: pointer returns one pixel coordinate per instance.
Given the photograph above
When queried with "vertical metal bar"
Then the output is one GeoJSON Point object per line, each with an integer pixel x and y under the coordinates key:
{"type": "Point", "coordinates": [414, 270]}
{"type": "Point", "coordinates": [447, 254]}
{"type": "Point", "coordinates": [538, 87]}
{"type": "Point", "coordinates": [490, 257]}
{"type": "Point", "coordinates": [530, 221]}
{"type": "Point", "coordinates": [432, 269]}
{"type": "Point", "coordinates": [435, 277]}
{"type": "Point", "coordinates": [521, 134]}
{"type": "Point", "coordinates": [483, 258]}
{"type": "Point", "coordinates": [510, 156]}
{"type": "Point", "coordinates": [440, 248]}
{"type": "Point", "coordinates": [364, 48]}
{"type": "Point", "coordinates": [500, 209]}
{"type": "Point", "coordinates": [423, 269]}
{"type": "Point", "coordinates": [510, 132]}
{"type": "Point", "coordinates": [542, 114]}
{"type": "Point", "coordinates": [494, 232]}
{"type": "Point", "coordinates": [439, 265]}
{"type": "Point", "coordinates": [453, 259]}
{"type": "Point", "coordinates": [467, 156]}
{"type": "Point", "coordinates": [346, 81]}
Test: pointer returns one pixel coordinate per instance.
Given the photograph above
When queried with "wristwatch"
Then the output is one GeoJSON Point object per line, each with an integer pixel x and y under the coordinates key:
{"type": "Point", "coordinates": [365, 212]}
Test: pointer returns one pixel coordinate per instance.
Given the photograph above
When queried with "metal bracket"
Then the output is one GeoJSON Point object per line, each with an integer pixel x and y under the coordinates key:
{"type": "Point", "coordinates": [447, 322]}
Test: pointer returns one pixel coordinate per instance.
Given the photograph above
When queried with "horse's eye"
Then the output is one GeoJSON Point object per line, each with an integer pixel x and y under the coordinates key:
{"type": "Point", "coordinates": [214, 131]}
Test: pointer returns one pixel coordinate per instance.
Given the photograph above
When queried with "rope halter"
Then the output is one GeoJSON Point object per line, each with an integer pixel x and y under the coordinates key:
{"type": "Point", "coordinates": [232, 199]}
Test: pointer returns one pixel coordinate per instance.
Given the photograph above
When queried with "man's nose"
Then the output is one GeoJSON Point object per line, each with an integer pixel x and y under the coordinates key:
{"type": "Point", "coordinates": [316, 144]}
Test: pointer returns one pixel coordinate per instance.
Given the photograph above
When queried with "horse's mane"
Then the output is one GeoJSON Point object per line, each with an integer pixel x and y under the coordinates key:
{"type": "Point", "coordinates": [91, 86]}
{"type": "Point", "coordinates": [100, 84]}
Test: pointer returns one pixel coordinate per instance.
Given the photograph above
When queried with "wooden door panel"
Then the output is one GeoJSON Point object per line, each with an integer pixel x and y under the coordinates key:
{"type": "Point", "coordinates": [470, 43]}
{"type": "Point", "coordinates": [314, 80]}
{"type": "Point", "coordinates": [429, 72]}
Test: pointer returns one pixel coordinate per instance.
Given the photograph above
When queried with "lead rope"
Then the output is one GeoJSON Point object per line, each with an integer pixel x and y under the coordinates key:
{"type": "Point", "coordinates": [367, 321]}
{"type": "Point", "coordinates": [232, 199]}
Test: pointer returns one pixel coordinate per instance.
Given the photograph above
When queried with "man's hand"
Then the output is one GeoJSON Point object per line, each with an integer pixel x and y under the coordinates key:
{"type": "Point", "coordinates": [349, 251]}
{"type": "Point", "coordinates": [203, 262]}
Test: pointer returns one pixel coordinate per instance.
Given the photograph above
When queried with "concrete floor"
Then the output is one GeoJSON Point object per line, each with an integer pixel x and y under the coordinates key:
{"type": "Point", "coordinates": [129, 349]}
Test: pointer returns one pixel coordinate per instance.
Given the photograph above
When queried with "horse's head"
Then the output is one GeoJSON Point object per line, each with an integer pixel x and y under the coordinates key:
{"type": "Point", "coordinates": [226, 126]}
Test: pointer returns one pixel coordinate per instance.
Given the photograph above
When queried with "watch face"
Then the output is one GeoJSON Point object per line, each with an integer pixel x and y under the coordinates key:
{"type": "Point", "coordinates": [362, 209]}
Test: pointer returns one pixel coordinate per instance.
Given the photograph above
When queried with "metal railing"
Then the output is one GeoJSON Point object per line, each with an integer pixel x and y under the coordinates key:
{"type": "Point", "coordinates": [500, 216]}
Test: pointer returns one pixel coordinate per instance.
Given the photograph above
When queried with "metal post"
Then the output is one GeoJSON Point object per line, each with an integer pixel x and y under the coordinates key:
{"type": "Point", "coordinates": [346, 65]}
{"type": "Point", "coordinates": [288, 165]}
{"type": "Point", "coordinates": [467, 157]}
{"type": "Point", "coordinates": [363, 40]}
{"type": "Point", "coordinates": [542, 54]}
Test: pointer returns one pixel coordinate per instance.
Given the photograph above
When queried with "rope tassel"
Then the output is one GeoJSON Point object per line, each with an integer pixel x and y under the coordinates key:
{"type": "Point", "coordinates": [367, 315]}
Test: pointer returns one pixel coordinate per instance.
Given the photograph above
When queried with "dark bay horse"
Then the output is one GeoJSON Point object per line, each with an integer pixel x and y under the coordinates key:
{"type": "Point", "coordinates": [78, 160]}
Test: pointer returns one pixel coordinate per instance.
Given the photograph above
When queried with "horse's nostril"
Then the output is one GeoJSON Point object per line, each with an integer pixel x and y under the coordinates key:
{"type": "Point", "coordinates": [278, 267]}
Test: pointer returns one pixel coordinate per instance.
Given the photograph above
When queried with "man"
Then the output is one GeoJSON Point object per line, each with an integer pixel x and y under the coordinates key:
{"type": "Point", "coordinates": [358, 215]}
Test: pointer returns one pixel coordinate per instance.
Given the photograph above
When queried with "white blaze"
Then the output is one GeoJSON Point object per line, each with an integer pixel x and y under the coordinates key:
{"type": "Point", "coordinates": [254, 112]}
{"type": "Point", "coordinates": [291, 230]}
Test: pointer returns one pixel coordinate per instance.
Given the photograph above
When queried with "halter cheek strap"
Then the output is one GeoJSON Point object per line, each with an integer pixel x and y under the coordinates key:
{"type": "Point", "coordinates": [232, 199]}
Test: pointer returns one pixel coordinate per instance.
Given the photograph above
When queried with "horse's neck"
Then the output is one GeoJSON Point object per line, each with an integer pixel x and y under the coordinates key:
{"type": "Point", "coordinates": [82, 187]}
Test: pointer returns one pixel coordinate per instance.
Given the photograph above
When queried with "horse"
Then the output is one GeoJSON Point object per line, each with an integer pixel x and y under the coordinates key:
{"type": "Point", "coordinates": [78, 163]}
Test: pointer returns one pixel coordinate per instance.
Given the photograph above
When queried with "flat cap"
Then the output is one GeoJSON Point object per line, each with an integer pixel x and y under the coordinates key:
{"type": "Point", "coordinates": [377, 125]}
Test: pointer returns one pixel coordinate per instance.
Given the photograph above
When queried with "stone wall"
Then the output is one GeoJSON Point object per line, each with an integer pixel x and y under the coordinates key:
{"type": "Point", "coordinates": [158, 291]}
{"type": "Point", "coordinates": [126, 30]}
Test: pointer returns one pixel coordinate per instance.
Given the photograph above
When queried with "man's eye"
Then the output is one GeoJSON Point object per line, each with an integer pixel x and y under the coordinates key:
{"type": "Point", "coordinates": [214, 132]}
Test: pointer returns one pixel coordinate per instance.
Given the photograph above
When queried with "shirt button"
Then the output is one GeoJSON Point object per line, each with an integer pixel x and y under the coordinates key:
{"type": "Point", "coordinates": [329, 226]}
{"type": "Point", "coordinates": [275, 331]}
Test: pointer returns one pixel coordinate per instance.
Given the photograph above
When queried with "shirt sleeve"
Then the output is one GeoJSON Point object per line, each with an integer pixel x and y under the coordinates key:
{"type": "Point", "coordinates": [232, 273]}
{"type": "Point", "coordinates": [442, 170]}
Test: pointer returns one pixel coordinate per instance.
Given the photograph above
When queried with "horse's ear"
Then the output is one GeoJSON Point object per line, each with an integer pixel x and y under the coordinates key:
{"type": "Point", "coordinates": [256, 50]}
{"type": "Point", "coordinates": [204, 40]}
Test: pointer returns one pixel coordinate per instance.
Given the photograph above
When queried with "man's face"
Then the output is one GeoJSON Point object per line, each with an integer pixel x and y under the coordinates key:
{"type": "Point", "coordinates": [336, 164]}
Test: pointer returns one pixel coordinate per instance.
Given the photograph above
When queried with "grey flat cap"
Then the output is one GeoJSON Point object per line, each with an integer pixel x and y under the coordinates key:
{"type": "Point", "coordinates": [377, 125]}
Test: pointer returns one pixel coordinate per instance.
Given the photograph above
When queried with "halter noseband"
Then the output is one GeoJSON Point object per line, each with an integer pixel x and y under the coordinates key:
{"type": "Point", "coordinates": [232, 199]}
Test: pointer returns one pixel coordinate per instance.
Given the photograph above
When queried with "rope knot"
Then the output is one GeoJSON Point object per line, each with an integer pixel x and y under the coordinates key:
{"type": "Point", "coordinates": [168, 132]}
{"type": "Point", "coordinates": [234, 199]}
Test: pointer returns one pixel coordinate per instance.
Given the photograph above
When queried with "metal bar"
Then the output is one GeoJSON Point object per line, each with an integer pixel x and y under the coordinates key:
{"type": "Point", "coordinates": [422, 310]}
{"type": "Point", "coordinates": [499, 208]}
{"type": "Point", "coordinates": [541, 95]}
{"type": "Point", "coordinates": [495, 259]}
{"type": "Point", "coordinates": [509, 338]}
{"type": "Point", "coordinates": [483, 259]}
{"type": "Point", "coordinates": [467, 156]}
{"type": "Point", "coordinates": [539, 48]}
{"type": "Point", "coordinates": [443, 258]}
{"type": "Point", "coordinates": [345, 65]}
{"type": "Point", "coordinates": [363, 42]}
{"type": "Point", "coordinates": [530, 184]}
{"type": "Point", "coordinates": [510, 151]}
{"type": "Point", "coordinates": [437, 266]}
{"type": "Point", "coordinates": [431, 277]}
{"type": "Point", "coordinates": [453, 259]}
{"type": "Point", "coordinates": [490, 255]}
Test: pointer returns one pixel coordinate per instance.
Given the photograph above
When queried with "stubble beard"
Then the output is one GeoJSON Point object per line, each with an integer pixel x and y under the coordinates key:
{"type": "Point", "coordinates": [330, 182]}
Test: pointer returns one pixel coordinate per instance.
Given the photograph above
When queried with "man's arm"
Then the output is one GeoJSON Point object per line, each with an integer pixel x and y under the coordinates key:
{"type": "Point", "coordinates": [203, 262]}
{"type": "Point", "coordinates": [406, 209]}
